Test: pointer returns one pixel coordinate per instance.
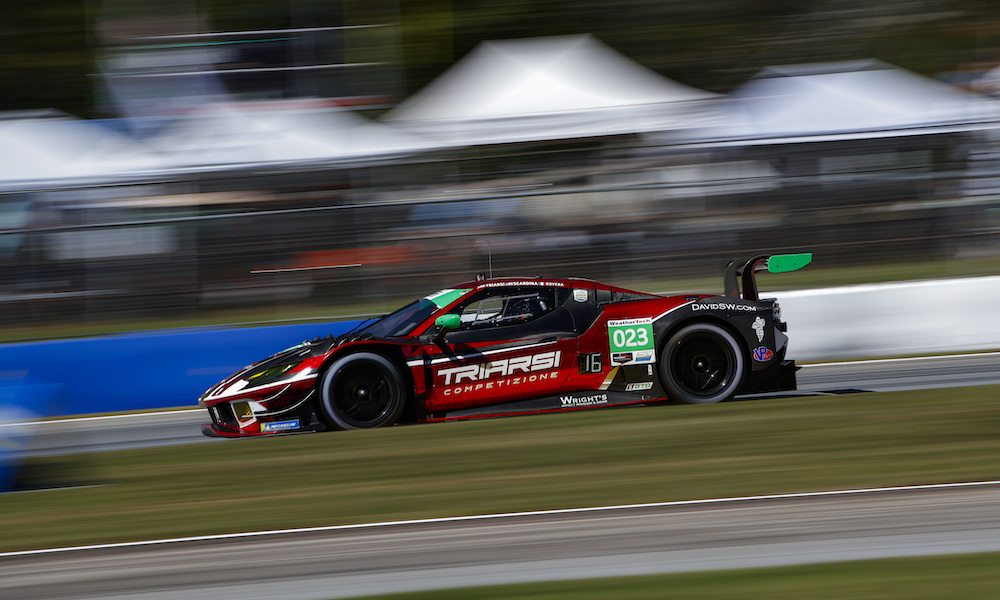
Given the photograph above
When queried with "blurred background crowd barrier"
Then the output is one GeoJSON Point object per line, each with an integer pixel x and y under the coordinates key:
{"type": "Point", "coordinates": [549, 156]}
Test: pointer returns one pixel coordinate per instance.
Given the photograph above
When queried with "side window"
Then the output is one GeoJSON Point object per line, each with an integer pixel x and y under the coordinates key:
{"type": "Point", "coordinates": [511, 306]}
{"type": "Point", "coordinates": [482, 312]}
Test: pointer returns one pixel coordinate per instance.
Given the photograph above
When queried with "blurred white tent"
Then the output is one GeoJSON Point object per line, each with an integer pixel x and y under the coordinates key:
{"type": "Point", "coordinates": [987, 83]}
{"type": "Point", "coordinates": [253, 133]}
{"type": "Point", "coordinates": [59, 149]}
{"type": "Point", "coordinates": [546, 89]}
{"type": "Point", "coordinates": [851, 100]}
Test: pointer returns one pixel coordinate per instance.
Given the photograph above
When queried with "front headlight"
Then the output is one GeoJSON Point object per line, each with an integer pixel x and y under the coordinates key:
{"type": "Point", "coordinates": [245, 409]}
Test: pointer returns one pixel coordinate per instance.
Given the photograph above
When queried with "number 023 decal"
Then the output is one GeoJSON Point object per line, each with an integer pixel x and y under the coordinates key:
{"type": "Point", "coordinates": [631, 341]}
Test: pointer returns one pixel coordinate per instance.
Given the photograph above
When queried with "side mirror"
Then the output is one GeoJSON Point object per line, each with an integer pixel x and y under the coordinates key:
{"type": "Point", "coordinates": [446, 323]}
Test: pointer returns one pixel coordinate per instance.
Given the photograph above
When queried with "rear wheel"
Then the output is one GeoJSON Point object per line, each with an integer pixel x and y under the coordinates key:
{"type": "Point", "coordinates": [702, 363]}
{"type": "Point", "coordinates": [361, 391]}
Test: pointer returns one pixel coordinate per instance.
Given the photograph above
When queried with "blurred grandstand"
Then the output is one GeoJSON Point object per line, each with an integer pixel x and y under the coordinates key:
{"type": "Point", "coordinates": [574, 161]}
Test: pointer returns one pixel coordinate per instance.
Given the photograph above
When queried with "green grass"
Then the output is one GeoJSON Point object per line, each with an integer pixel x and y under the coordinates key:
{"type": "Point", "coordinates": [647, 454]}
{"type": "Point", "coordinates": [969, 577]}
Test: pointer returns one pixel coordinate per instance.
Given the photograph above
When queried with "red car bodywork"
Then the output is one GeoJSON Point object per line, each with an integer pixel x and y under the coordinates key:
{"type": "Point", "coordinates": [575, 344]}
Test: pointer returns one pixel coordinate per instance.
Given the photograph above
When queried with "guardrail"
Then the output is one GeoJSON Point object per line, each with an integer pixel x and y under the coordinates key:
{"type": "Point", "coordinates": [907, 318]}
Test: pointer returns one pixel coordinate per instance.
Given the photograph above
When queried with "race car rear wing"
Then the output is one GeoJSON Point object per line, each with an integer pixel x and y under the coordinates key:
{"type": "Point", "coordinates": [742, 271]}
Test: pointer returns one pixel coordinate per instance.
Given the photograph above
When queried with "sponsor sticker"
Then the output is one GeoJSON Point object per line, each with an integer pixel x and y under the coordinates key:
{"type": "Point", "coordinates": [279, 425]}
{"type": "Point", "coordinates": [643, 356]}
{"type": "Point", "coordinates": [638, 387]}
{"type": "Point", "coordinates": [723, 306]}
{"type": "Point", "coordinates": [580, 295]}
{"type": "Point", "coordinates": [631, 338]}
{"type": "Point", "coordinates": [758, 327]}
{"type": "Point", "coordinates": [505, 372]}
{"type": "Point", "coordinates": [762, 354]}
{"type": "Point", "coordinates": [526, 282]}
{"type": "Point", "coordinates": [621, 358]}
{"type": "Point", "coordinates": [589, 400]}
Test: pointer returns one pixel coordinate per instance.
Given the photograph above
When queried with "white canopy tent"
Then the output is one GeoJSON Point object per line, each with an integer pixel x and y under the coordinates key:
{"type": "Point", "coordinates": [38, 152]}
{"type": "Point", "coordinates": [63, 151]}
{"type": "Point", "coordinates": [254, 133]}
{"type": "Point", "coordinates": [852, 100]}
{"type": "Point", "coordinates": [546, 89]}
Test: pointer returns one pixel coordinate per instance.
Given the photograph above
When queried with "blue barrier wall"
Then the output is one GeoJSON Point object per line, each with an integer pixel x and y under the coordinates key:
{"type": "Point", "coordinates": [137, 371]}
{"type": "Point", "coordinates": [21, 403]}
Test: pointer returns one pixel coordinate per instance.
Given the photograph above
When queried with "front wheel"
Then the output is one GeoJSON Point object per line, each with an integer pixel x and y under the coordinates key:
{"type": "Point", "coordinates": [702, 363]}
{"type": "Point", "coordinates": [361, 391]}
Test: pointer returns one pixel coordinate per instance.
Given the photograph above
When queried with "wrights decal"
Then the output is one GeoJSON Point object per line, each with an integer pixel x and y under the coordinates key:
{"type": "Point", "coordinates": [758, 327]}
{"type": "Point", "coordinates": [723, 306]}
{"type": "Point", "coordinates": [762, 354]}
{"type": "Point", "coordinates": [589, 400]}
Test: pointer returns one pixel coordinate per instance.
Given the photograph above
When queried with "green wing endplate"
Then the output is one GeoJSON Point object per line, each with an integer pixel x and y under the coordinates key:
{"type": "Point", "coordinates": [783, 263]}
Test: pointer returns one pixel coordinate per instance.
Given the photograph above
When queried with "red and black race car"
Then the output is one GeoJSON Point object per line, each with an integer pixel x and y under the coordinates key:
{"type": "Point", "coordinates": [496, 347]}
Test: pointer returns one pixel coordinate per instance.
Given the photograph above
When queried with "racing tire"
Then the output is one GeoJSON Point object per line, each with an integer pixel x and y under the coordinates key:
{"type": "Point", "coordinates": [361, 391]}
{"type": "Point", "coordinates": [702, 363]}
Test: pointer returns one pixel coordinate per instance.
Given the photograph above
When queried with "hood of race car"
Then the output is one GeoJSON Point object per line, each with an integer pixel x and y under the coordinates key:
{"type": "Point", "coordinates": [288, 366]}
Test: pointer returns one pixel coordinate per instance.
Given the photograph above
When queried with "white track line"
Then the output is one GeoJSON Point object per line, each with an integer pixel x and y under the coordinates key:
{"type": "Point", "coordinates": [109, 417]}
{"type": "Point", "coordinates": [871, 361]}
{"type": "Point", "coordinates": [563, 511]}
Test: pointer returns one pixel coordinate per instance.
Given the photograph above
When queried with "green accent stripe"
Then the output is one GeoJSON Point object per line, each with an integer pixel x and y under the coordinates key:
{"type": "Point", "coordinates": [445, 297]}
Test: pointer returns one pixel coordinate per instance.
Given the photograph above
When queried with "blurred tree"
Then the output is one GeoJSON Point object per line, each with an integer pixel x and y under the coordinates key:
{"type": "Point", "coordinates": [44, 56]}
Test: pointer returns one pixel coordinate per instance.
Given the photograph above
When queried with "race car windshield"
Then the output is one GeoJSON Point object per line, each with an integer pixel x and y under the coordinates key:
{"type": "Point", "coordinates": [402, 321]}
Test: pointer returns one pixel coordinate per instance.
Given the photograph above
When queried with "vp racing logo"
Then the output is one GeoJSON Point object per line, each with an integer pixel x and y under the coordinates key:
{"type": "Point", "coordinates": [505, 372]}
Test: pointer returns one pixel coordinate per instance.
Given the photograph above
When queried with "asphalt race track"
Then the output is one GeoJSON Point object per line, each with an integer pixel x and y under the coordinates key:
{"type": "Point", "coordinates": [675, 537]}
{"type": "Point", "coordinates": [73, 436]}
{"type": "Point", "coordinates": [631, 541]}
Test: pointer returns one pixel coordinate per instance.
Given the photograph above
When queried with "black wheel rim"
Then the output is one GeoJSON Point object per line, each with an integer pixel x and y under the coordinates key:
{"type": "Point", "coordinates": [363, 393]}
{"type": "Point", "coordinates": [703, 364]}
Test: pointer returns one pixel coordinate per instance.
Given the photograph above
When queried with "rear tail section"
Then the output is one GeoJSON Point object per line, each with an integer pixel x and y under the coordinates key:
{"type": "Point", "coordinates": [740, 277]}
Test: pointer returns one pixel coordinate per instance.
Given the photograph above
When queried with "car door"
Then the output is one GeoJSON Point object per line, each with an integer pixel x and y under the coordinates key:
{"type": "Point", "coordinates": [514, 343]}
